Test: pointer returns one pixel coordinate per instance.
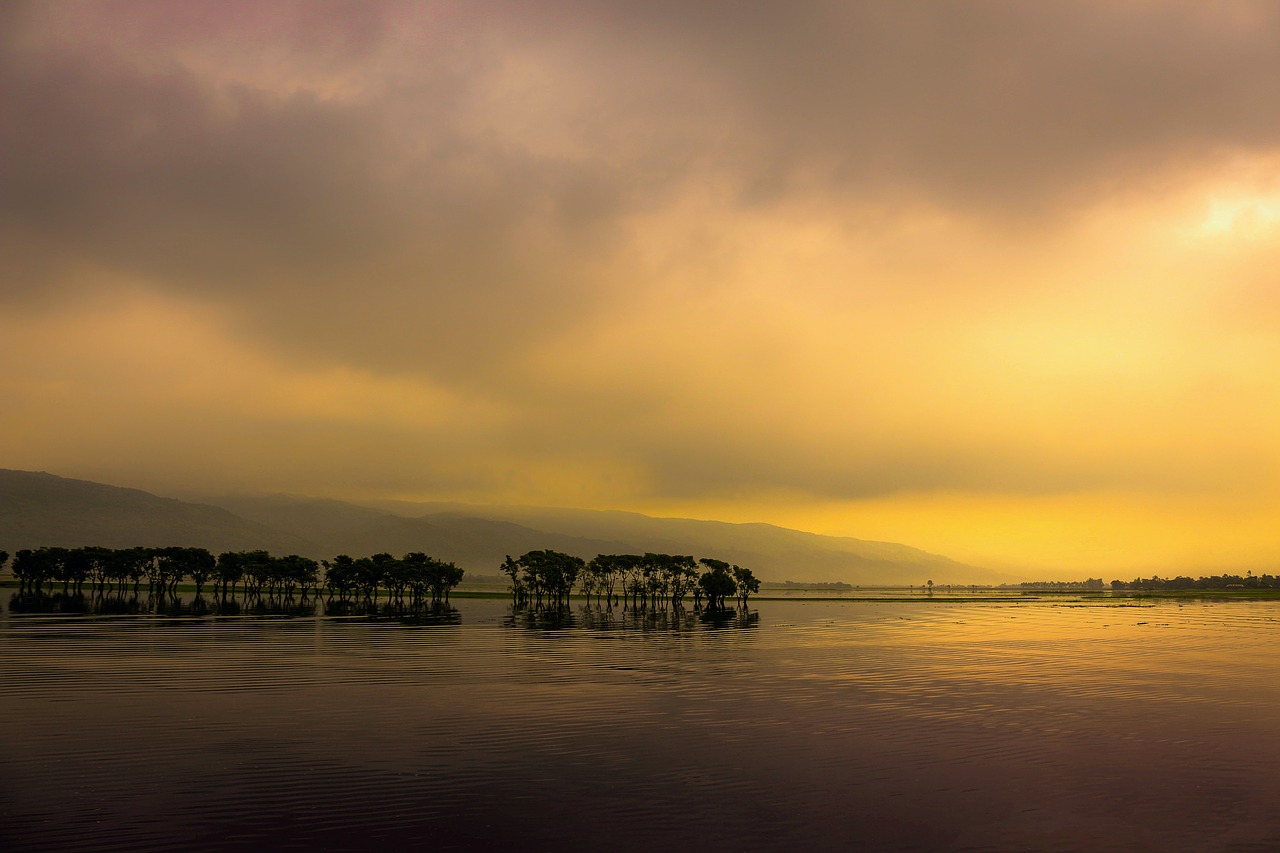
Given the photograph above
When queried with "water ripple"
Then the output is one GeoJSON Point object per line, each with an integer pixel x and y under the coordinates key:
{"type": "Point", "coordinates": [813, 725]}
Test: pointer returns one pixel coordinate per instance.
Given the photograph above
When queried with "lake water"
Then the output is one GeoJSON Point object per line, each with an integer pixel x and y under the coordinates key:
{"type": "Point", "coordinates": [807, 725]}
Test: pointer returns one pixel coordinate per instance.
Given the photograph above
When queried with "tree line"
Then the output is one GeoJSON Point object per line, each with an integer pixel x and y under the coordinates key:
{"type": "Point", "coordinates": [415, 576]}
{"type": "Point", "coordinates": [548, 578]}
{"type": "Point", "coordinates": [538, 578]}
{"type": "Point", "coordinates": [1224, 581]}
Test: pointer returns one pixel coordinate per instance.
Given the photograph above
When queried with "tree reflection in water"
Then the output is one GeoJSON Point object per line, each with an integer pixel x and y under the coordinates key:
{"type": "Point", "coordinates": [26, 601]}
{"type": "Point", "coordinates": [586, 615]}
{"type": "Point", "coordinates": [127, 603]}
{"type": "Point", "coordinates": [600, 617]}
{"type": "Point", "coordinates": [406, 612]}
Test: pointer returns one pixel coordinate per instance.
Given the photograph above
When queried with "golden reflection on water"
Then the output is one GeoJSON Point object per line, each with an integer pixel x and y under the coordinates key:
{"type": "Point", "coordinates": [809, 725]}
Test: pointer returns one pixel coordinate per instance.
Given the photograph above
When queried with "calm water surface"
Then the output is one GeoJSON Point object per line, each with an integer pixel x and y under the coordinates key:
{"type": "Point", "coordinates": [818, 725]}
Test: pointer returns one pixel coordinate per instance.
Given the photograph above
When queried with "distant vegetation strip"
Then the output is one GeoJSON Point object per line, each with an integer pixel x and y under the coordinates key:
{"type": "Point", "coordinates": [538, 578]}
{"type": "Point", "coordinates": [1216, 582]}
{"type": "Point", "coordinates": [415, 576]}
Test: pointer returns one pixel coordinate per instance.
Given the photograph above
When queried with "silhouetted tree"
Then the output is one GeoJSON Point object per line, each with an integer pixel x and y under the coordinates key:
{"type": "Point", "coordinates": [442, 577]}
{"type": "Point", "coordinates": [632, 566]}
{"type": "Point", "coordinates": [31, 568]}
{"type": "Point", "coordinates": [511, 569]}
{"type": "Point", "coordinates": [76, 567]}
{"type": "Point", "coordinates": [415, 569]}
{"type": "Point", "coordinates": [717, 583]}
{"type": "Point", "coordinates": [200, 567]}
{"type": "Point", "coordinates": [229, 571]}
{"type": "Point", "coordinates": [168, 568]}
{"type": "Point", "coordinates": [606, 570]}
{"type": "Point", "coordinates": [747, 583]}
{"type": "Point", "coordinates": [251, 567]}
{"type": "Point", "coordinates": [377, 571]}
{"type": "Point", "coordinates": [130, 565]}
{"type": "Point", "coordinates": [293, 571]}
{"type": "Point", "coordinates": [683, 572]}
{"type": "Point", "coordinates": [653, 577]}
{"type": "Point", "coordinates": [154, 570]}
{"type": "Point", "coordinates": [62, 567]}
{"type": "Point", "coordinates": [340, 575]}
{"type": "Point", "coordinates": [539, 573]}
{"type": "Point", "coordinates": [174, 564]}
{"type": "Point", "coordinates": [101, 563]}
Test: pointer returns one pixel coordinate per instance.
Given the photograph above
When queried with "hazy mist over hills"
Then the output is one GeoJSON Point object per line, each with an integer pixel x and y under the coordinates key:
{"type": "Point", "coordinates": [39, 509]}
{"type": "Point", "coordinates": [43, 509]}
{"type": "Point", "coordinates": [779, 552]}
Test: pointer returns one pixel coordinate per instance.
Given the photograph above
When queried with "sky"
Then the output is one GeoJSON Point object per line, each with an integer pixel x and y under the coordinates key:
{"type": "Point", "coordinates": [994, 279]}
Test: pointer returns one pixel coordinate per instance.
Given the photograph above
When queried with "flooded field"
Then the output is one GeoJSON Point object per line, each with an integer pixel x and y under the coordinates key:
{"type": "Point", "coordinates": [1037, 724]}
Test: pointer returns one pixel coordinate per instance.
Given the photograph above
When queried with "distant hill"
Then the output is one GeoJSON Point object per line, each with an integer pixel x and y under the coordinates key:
{"type": "Point", "coordinates": [477, 544]}
{"type": "Point", "coordinates": [477, 537]}
{"type": "Point", "coordinates": [42, 509]}
{"type": "Point", "coordinates": [39, 509]}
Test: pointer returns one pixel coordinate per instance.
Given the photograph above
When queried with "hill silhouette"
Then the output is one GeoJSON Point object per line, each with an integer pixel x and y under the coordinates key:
{"type": "Point", "coordinates": [38, 509]}
{"type": "Point", "coordinates": [478, 536]}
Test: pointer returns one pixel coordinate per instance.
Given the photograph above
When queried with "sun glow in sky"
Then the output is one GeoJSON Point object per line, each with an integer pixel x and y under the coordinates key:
{"type": "Point", "coordinates": [997, 280]}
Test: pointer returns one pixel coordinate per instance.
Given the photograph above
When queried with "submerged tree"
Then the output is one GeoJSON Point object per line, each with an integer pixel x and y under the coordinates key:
{"type": "Point", "coordinates": [171, 565]}
{"type": "Point", "coordinates": [340, 575]}
{"type": "Point", "coordinates": [257, 571]}
{"type": "Point", "coordinates": [717, 583]}
{"type": "Point", "coordinates": [131, 565]}
{"type": "Point", "coordinates": [228, 572]}
{"type": "Point", "coordinates": [543, 573]}
{"type": "Point", "coordinates": [31, 568]}
{"type": "Point", "coordinates": [633, 578]}
{"type": "Point", "coordinates": [294, 572]}
{"type": "Point", "coordinates": [422, 575]}
{"type": "Point", "coordinates": [376, 571]}
{"type": "Point", "coordinates": [648, 581]}
{"type": "Point", "coordinates": [653, 578]}
{"type": "Point", "coordinates": [100, 564]}
{"type": "Point", "coordinates": [747, 584]}
{"type": "Point", "coordinates": [511, 569]}
{"type": "Point", "coordinates": [606, 571]}
{"type": "Point", "coordinates": [683, 576]}
{"type": "Point", "coordinates": [76, 566]}
{"type": "Point", "coordinates": [442, 577]}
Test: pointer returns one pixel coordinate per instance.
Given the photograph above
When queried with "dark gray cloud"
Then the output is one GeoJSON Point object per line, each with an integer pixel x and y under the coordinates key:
{"type": "Point", "coordinates": [1005, 106]}
{"type": "Point", "coordinates": [310, 214]}
{"type": "Point", "coordinates": [402, 199]}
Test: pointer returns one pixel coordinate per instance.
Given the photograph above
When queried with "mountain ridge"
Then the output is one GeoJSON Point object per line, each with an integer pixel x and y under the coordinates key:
{"type": "Point", "coordinates": [42, 509]}
{"type": "Point", "coordinates": [38, 508]}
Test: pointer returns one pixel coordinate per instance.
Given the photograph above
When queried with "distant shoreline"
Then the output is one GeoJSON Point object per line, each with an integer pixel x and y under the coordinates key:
{"type": "Point", "coordinates": [823, 592]}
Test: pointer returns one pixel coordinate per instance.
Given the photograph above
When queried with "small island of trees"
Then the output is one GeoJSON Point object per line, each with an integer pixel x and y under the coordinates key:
{"type": "Point", "coordinates": [413, 578]}
{"type": "Point", "coordinates": [539, 579]}
{"type": "Point", "coordinates": [548, 578]}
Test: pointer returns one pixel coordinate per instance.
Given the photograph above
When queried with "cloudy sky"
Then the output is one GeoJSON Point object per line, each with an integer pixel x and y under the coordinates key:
{"type": "Point", "coordinates": [996, 279]}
